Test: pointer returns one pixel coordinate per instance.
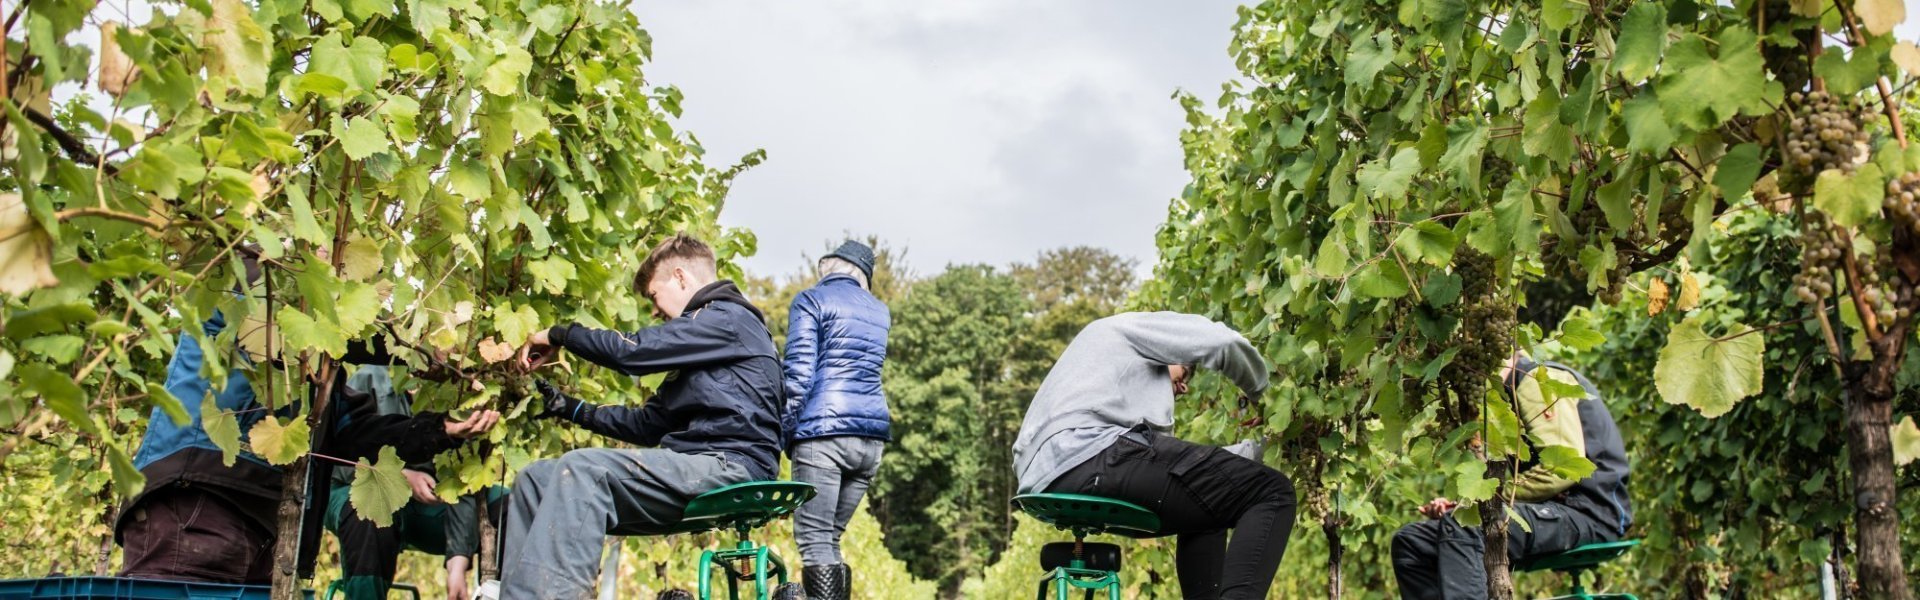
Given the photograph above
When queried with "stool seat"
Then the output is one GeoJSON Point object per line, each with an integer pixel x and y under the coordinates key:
{"type": "Point", "coordinates": [1090, 514]}
{"type": "Point", "coordinates": [1579, 559]}
{"type": "Point", "coordinates": [743, 506]}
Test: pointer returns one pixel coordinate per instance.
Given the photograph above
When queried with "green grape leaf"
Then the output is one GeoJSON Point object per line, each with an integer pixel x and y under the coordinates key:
{"type": "Point", "coordinates": [515, 324]}
{"type": "Point", "coordinates": [380, 489]}
{"type": "Point", "coordinates": [469, 179]}
{"type": "Point", "coordinates": [1852, 200]}
{"type": "Point", "coordinates": [1566, 463]}
{"type": "Point", "coordinates": [1389, 178]}
{"type": "Point", "coordinates": [1428, 242]}
{"type": "Point", "coordinates": [1707, 373]}
{"type": "Point", "coordinates": [279, 444]}
{"type": "Point", "coordinates": [1846, 73]}
{"type": "Point", "coordinates": [127, 481]}
{"type": "Point", "coordinates": [1577, 333]}
{"type": "Point", "coordinates": [169, 405]}
{"type": "Point", "coordinates": [552, 273]}
{"type": "Point", "coordinates": [503, 76]}
{"type": "Point", "coordinates": [305, 226]}
{"type": "Point", "coordinates": [1906, 441]}
{"type": "Point", "coordinates": [61, 395]}
{"type": "Point", "coordinates": [302, 333]}
{"type": "Point", "coordinates": [1503, 431]}
{"type": "Point", "coordinates": [1471, 484]}
{"type": "Point", "coordinates": [1465, 142]}
{"type": "Point", "coordinates": [361, 137]}
{"type": "Point", "coordinates": [1382, 279]}
{"type": "Point", "coordinates": [1515, 220]}
{"type": "Point", "coordinates": [1647, 129]}
{"type": "Point", "coordinates": [1737, 171]}
{"type": "Point", "coordinates": [361, 66]}
{"type": "Point", "coordinates": [1704, 85]}
{"type": "Point", "coordinates": [357, 307]}
{"type": "Point", "coordinates": [1643, 36]}
{"type": "Point", "coordinates": [222, 428]}
{"type": "Point", "coordinates": [1367, 57]}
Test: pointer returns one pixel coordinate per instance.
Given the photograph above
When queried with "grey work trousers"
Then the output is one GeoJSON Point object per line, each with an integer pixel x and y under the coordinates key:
{"type": "Point", "coordinates": [840, 469]}
{"type": "Point", "coordinates": [562, 510]}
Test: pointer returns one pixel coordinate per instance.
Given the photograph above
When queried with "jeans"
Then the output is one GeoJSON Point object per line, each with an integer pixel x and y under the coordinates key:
{"type": "Point", "coordinates": [1199, 492]}
{"type": "Point", "coordinates": [562, 510]}
{"type": "Point", "coordinates": [840, 469]}
{"type": "Point", "coordinates": [1442, 560]}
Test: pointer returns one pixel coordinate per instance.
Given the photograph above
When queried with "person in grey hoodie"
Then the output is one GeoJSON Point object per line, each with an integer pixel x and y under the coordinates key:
{"type": "Point", "coordinates": [1102, 425]}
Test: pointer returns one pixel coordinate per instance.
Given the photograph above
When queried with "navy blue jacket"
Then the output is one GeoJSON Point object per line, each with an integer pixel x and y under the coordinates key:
{"type": "Point", "coordinates": [836, 343]}
{"type": "Point", "coordinates": [724, 394]}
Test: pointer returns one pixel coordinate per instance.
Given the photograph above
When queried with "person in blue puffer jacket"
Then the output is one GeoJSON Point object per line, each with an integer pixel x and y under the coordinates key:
{"type": "Point", "coordinates": [836, 414]}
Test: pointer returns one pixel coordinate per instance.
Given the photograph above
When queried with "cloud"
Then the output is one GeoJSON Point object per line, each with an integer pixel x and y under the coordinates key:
{"type": "Point", "coordinates": [978, 131]}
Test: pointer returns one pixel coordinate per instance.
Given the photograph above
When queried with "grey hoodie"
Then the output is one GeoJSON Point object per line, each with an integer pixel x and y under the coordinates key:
{"type": "Point", "coordinates": [1114, 377]}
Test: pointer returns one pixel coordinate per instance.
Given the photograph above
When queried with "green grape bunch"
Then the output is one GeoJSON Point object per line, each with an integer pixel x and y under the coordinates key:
{"type": "Point", "coordinates": [1824, 133]}
{"type": "Point", "coordinates": [1821, 255]}
{"type": "Point", "coordinates": [1487, 320]}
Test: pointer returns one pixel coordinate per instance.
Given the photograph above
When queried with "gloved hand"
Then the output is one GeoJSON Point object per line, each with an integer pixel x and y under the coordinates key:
{"type": "Point", "coordinates": [554, 404]}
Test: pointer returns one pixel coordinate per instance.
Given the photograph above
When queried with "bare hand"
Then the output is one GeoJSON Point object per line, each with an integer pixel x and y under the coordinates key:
{"type": "Point", "coordinates": [422, 485]}
{"type": "Point", "coordinates": [457, 578]}
{"type": "Point", "coordinates": [475, 426]}
{"type": "Point", "coordinates": [538, 351]}
{"type": "Point", "coordinates": [1438, 507]}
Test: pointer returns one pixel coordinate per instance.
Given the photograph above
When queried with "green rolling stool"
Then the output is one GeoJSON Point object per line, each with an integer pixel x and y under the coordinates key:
{"type": "Point", "coordinates": [744, 507]}
{"type": "Point", "coordinates": [1577, 562]}
{"type": "Point", "coordinates": [336, 587]}
{"type": "Point", "coordinates": [1079, 565]}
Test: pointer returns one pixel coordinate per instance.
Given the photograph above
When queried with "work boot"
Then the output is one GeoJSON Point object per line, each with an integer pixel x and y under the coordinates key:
{"type": "Point", "coordinates": [825, 582]}
{"type": "Point", "coordinates": [846, 582]}
{"type": "Point", "coordinates": [675, 594]}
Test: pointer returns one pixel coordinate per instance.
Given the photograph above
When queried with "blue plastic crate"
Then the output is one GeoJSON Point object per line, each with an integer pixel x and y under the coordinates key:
{"type": "Point", "coordinates": [120, 588]}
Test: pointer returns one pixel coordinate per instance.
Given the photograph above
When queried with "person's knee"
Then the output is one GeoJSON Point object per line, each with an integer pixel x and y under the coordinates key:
{"type": "Point", "coordinates": [1276, 486]}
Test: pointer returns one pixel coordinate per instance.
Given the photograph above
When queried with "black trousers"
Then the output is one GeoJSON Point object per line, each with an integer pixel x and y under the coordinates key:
{"type": "Point", "coordinates": [1199, 492]}
{"type": "Point", "coordinates": [1441, 560]}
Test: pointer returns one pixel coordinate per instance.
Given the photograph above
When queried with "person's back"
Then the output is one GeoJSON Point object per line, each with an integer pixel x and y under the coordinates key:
{"type": "Point", "coordinates": [836, 413]}
{"type": "Point", "coordinates": [1102, 423]}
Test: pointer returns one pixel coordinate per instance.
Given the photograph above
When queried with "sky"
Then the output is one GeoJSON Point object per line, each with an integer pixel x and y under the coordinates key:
{"type": "Point", "coordinates": [976, 131]}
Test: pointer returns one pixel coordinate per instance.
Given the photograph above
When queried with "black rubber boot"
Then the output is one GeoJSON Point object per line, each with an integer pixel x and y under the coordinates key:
{"type": "Point", "coordinates": [846, 582]}
{"type": "Point", "coordinates": [825, 582]}
{"type": "Point", "coordinates": [675, 595]}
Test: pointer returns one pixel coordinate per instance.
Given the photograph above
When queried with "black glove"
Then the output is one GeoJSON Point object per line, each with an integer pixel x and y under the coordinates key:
{"type": "Point", "coordinates": [557, 405]}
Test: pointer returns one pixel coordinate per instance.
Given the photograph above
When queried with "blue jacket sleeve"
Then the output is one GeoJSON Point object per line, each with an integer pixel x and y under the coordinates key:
{"type": "Point", "coordinates": [689, 341]}
{"type": "Point", "coordinates": [803, 349]}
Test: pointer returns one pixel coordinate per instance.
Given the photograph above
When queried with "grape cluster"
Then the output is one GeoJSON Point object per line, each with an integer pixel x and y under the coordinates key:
{"type": "Point", "coordinates": [1903, 201]}
{"type": "Point", "coordinates": [1825, 134]}
{"type": "Point", "coordinates": [1820, 256]}
{"type": "Point", "coordinates": [1498, 172]}
{"type": "Point", "coordinates": [1789, 64]}
{"type": "Point", "coordinates": [1890, 298]}
{"type": "Point", "coordinates": [1487, 320]}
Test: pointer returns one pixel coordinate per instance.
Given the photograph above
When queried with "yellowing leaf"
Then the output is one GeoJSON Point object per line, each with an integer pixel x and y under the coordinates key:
{"type": "Point", "coordinates": [1906, 55]}
{"type": "Point", "coordinates": [26, 253]}
{"type": "Point", "coordinates": [279, 444]}
{"type": "Point", "coordinates": [503, 76]}
{"type": "Point", "coordinates": [493, 351]}
{"type": "Point", "coordinates": [1880, 16]}
{"type": "Point", "coordinates": [1906, 441]}
{"type": "Point", "coordinates": [117, 70]}
{"type": "Point", "coordinates": [1689, 292]}
{"type": "Point", "coordinates": [237, 48]}
{"type": "Point", "coordinates": [1657, 297]}
{"type": "Point", "coordinates": [379, 489]}
{"type": "Point", "coordinates": [1707, 373]}
{"type": "Point", "coordinates": [361, 259]}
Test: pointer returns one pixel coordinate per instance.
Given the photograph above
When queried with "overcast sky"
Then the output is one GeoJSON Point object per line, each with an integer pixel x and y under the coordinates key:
{"type": "Point", "coordinates": [966, 131]}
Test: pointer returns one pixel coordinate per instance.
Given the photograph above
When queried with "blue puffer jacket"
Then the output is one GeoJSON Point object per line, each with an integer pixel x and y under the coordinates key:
{"type": "Point", "coordinates": [836, 342]}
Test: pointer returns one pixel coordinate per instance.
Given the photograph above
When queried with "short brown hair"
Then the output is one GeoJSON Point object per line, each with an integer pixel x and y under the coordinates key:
{"type": "Point", "coordinates": [680, 247]}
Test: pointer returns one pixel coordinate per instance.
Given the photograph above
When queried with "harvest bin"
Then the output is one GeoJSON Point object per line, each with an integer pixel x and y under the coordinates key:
{"type": "Point", "coordinates": [120, 588]}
